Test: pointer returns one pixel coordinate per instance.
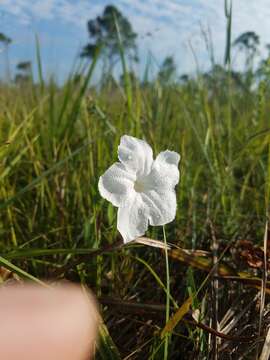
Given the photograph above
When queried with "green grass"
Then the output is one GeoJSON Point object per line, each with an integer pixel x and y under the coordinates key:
{"type": "Point", "coordinates": [55, 142]}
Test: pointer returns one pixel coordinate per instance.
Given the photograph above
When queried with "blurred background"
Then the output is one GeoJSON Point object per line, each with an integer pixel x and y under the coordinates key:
{"type": "Point", "coordinates": [181, 34]}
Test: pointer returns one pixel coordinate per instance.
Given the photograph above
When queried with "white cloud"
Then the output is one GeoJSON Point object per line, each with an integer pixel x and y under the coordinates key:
{"type": "Point", "coordinates": [64, 10]}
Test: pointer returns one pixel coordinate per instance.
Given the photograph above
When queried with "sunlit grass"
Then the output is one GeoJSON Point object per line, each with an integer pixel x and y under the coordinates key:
{"type": "Point", "coordinates": [55, 142]}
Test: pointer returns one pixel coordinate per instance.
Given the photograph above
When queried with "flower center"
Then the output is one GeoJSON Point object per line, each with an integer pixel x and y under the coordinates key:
{"type": "Point", "coordinates": [139, 186]}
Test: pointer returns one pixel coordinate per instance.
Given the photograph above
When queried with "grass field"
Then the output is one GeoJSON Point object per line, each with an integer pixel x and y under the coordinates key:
{"type": "Point", "coordinates": [55, 142]}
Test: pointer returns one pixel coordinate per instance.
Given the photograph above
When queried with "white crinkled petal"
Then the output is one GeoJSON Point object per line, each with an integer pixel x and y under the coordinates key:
{"type": "Point", "coordinates": [170, 157]}
{"type": "Point", "coordinates": [161, 206]}
{"type": "Point", "coordinates": [136, 155]}
{"type": "Point", "coordinates": [132, 220]}
{"type": "Point", "coordinates": [165, 174]}
{"type": "Point", "coordinates": [117, 185]}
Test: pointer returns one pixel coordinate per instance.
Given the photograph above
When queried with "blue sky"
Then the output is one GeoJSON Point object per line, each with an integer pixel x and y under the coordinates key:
{"type": "Point", "coordinates": [175, 27]}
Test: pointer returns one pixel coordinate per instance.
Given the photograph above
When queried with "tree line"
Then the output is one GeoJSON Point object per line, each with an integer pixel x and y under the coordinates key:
{"type": "Point", "coordinates": [111, 32]}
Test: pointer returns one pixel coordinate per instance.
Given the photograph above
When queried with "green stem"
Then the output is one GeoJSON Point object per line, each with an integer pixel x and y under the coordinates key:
{"type": "Point", "coordinates": [166, 343]}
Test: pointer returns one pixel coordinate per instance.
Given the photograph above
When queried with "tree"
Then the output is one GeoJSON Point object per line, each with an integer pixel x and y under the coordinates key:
{"type": "Point", "coordinates": [167, 71]}
{"type": "Point", "coordinates": [21, 79]}
{"type": "Point", "coordinates": [103, 34]}
{"type": "Point", "coordinates": [263, 71]}
{"type": "Point", "coordinates": [24, 72]}
{"type": "Point", "coordinates": [6, 41]}
{"type": "Point", "coordinates": [217, 76]}
{"type": "Point", "coordinates": [248, 42]}
{"type": "Point", "coordinates": [132, 77]}
{"type": "Point", "coordinates": [184, 78]}
{"type": "Point", "coordinates": [24, 66]}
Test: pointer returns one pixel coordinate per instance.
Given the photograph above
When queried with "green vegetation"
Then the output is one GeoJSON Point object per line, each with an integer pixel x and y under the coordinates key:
{"type": "Point", "coordinates": [55, 142]}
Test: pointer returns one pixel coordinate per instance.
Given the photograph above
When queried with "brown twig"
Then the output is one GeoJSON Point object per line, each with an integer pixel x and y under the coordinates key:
{"type": "Point", "coordinates": [139, 308]}
{"type": "Point", "coordinates": [214, 288]}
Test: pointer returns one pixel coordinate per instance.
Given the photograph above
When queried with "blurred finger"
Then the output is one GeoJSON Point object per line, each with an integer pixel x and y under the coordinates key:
{"type": "Point", "coordinates": [59, 323]}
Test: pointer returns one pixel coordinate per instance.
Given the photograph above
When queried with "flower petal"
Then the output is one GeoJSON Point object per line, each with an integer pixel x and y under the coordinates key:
{"type": "Point", "coordinates": [170, 157]}
{"type": "Point", "coordinates": [132, 220]}
{"type": "Point", "coordinates": [117, 184]}
{"type": "Point", "coordinates": [161, 206]}
{"type": "Point", "coordinates": [136, 155]}
{"type": "Point", "coordinates": [165, 174]}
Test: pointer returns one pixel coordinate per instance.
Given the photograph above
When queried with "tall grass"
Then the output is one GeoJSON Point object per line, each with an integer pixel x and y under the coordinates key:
{"type": "Point", "coordinates": [55, 142]}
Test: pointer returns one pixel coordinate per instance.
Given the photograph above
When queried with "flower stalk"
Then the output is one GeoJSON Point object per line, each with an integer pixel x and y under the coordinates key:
{"type": "Point", "coordinates": [166, 343]}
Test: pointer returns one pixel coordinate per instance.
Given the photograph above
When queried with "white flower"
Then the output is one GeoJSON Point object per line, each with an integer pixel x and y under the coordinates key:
{"type": "Point", "coordinates": [141, 188]}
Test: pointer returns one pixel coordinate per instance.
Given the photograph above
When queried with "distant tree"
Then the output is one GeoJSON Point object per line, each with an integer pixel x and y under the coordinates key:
{"type": "Point", "coordinates": [167, 71]}
{"type": "Point", "coordinates": [24, 74]}
{"type": "Point", "coordinates": [104, 36]}
{"type": "Point", "coordinates": [132, 76]}
{"type": "Point", "coordinates": [184, 78]}
{"type": "Point", "coordinates": [248, 42]}
{"type": "Point", "coordinates": [21, 79]}
{"type": "Point", "coordinates": [267, 46]}
{"type": "Point", "coordinates": [217, 76]}
{"type": "Point", "coordinates": [108, 83]}
{"type": "Point", "coordinates": [6, 41]}
{"type": "Point", "coordinates": [263, 70]}
{"type": "Point", "coordinates": [24, 66]}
